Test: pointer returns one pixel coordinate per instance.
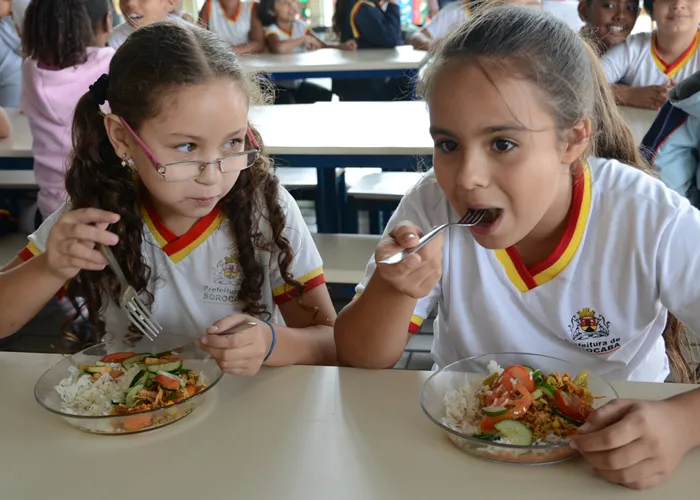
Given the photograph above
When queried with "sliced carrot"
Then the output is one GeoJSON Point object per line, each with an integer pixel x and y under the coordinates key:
{"type": "Point", "coordinates": [137, 421]}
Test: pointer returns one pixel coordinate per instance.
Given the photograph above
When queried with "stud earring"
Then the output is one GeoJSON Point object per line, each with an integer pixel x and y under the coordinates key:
{"type": "Point", "coordinates": [124, 162]}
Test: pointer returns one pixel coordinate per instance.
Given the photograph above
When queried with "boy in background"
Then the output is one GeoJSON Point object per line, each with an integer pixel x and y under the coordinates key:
{"type": "Point", "coordinates": [139, 13]}
{"type": "Point", "coordinates": [607, 22]}
{"type": "Point", "coordinates": [644, 68]}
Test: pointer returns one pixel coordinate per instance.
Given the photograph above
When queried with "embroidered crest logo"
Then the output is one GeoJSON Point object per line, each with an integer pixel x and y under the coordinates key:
{"type": "Point", "coordinates": [586, 324]}
{"type": "Point", "coordinates": [227, 271]}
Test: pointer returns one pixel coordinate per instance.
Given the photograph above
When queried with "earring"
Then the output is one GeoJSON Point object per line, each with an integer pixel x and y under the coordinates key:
{"type": "Point", "coordinates": [124, 162]}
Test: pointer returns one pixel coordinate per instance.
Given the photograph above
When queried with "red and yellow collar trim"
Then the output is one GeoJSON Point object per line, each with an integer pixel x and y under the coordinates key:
{"type": "Point", "coordinates": [671, 70]}
{"type": "Point", "coordinates": [353, 12]}
{"type": "Point", "coordinates": [524, 278]}
{"type": "Point", "coordinates": [179, 247]}
{"type": "Point", "coordinates": [236, 14]}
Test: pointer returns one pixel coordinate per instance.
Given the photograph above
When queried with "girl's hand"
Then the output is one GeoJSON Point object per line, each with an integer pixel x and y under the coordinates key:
{"type": "Point", "coordinates": [637, 444]}
{"type": "Point", "coordinates": [349, 45]}
{"type": "Point", "coordinates": [311, 43]}
{"type": "Point", "coordinates": [71, 243]}
{"type": "Point", "coordinates": [418, 273]}
{"type": "Point", "coordinates": [239, 353]}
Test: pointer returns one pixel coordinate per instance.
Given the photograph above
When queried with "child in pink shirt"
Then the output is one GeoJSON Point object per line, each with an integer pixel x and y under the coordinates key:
{"type": "Point", "coordinates": [64, 42]}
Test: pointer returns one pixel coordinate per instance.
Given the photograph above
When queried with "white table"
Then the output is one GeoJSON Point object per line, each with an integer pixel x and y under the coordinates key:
{"type": "Point", "coordinates": [334, 63]}
{"type": "Point", "coordinates": [291, 433]}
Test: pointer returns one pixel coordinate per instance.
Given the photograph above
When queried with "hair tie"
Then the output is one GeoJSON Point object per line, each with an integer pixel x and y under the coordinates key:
{"type": "Point", "coordinates": [99, 89]}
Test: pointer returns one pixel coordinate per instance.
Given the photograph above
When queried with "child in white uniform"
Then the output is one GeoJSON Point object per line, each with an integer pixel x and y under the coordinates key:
{"type": "Point", "coordinates": [284, 34]}
{"type": "Point", "coordinates": [647, 65]}
{"type": "Point", "coordinates": [200, 226]}
{"type": "Point", "coordinates": [140, 13]}
{"type": "Point", "coordinates": [578, 257]}
{"type": "Point", "coordinates": [236, 22]}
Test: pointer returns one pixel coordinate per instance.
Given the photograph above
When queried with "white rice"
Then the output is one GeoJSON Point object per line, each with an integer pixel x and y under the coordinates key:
{"type": "Point", "coordinates": [80, 395]}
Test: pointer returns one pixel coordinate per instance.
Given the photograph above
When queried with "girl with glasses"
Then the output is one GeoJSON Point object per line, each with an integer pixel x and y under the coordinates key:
{"type": "Point", "coordinates": [168, 172]}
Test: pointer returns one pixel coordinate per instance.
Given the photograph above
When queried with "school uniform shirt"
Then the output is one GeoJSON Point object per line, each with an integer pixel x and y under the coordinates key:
{"type": "Point", "coordinates": [122, 31]}
{"type": "Point", "coordinates": [197, 275]}
{"type": "Point", "coordinates": [637, 64]}
{"type": "Point", "coordinates": [49, 97]}
{"type": "Point", "coordinates": [299, 29]}
{"type": "Point", "coordinates": [629, 254]}
{"type": "Point", "coordinates": [448, 18]}
{"type": "Point", "coordinates": [233, 30]}
{"type": "Point", "coordinates": [371, 26]}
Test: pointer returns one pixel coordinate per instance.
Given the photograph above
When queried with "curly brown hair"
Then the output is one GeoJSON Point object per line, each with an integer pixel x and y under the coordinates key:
{"type": "Point", "coordinates": [58, 32]}
{"type": "Point", "coordinates": [154, 62]}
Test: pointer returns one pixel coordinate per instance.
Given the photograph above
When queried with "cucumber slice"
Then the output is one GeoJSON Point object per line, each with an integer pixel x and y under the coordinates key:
{"type": "Point", "coordinates": [130, 398]}
{"type": "Point", "coordinates": [537, 394]}
{"type": "Point", "coordinates": [129, 362]}
{"type": "Point", "coordinates": [494, 411]}
{"type": "Point", "coordinates": [486, 437]}
{"type": "Point", "coordinates": [546, 389]}
{"type": "Point", "coordinates": [140, 378]}
{"type": "Point", "coordinates": [516, 432]}
{"type": "Point", "coordinates": [164, 367]}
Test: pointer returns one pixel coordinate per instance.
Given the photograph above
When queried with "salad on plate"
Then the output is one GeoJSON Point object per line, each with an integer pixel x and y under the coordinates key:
{"type": "Point", "coordinates": [129, 383]}
{"type": "Point", "coordinates": [520, 405]}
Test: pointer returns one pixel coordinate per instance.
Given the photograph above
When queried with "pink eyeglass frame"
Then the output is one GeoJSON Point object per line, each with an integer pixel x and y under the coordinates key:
{"type": "Point", "coordinates": [160, 168]}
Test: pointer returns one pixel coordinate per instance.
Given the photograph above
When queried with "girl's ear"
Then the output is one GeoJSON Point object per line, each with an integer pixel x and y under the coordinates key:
{"type": "Point", "coordinates": [583, 11]}
{"type": "Point", "coordinates": [577, 142]}
{"type": "Point", "coordinates": [119, 136]}
{"type": "Point", "coordinates": [107, 24]}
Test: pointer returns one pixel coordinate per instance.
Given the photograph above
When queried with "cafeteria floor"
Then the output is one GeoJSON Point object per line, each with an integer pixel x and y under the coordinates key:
{"type": "Point", "coordinates": [42, 333]}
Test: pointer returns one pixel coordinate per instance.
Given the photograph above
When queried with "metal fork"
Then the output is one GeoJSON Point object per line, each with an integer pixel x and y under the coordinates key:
{"type": "Point", "coordinates": [130, 302]}
{"type": "Point", "coordinates": [472, 218]}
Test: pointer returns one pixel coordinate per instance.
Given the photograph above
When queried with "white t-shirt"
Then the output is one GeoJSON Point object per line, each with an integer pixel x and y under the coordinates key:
{"type": "Point", "coordinates": [600, 300]}
{"type": "Point", "coordinates": [636, 63]}
{"type": "Point", "coordinates": [198, 275]}
{"type": "Point", "coordinates": [299, 29]}
{"type": "Point", "coordinates": [122, 32]}
{"type": "Point", "coordinates": [448, 18]}
{"type": "Point", "coordinates": [233, 30]}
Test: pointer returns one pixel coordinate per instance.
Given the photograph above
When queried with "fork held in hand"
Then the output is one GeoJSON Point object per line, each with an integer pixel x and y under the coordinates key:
{"type": "Point", "coordinates": [472, 218]}
{"type": "Point", "coordinates": [129, 301]}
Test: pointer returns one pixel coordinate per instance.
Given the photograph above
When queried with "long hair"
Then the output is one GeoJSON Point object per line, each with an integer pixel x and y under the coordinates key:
{"type": "Point", "coordinates": [545, 50]}
{"type": "Point", "coordinates": [58, 32]}
{"type": "Point", "coordinates": [154, 62]}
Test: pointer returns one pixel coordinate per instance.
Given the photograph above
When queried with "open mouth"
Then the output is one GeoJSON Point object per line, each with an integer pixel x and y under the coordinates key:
{"type": "Point", "coordinates": [134, 18]}
{"type": "Point", "coordinates": [491, 216]}
{"type": "Point", "coordinates": [616, 29]}
{"type": "Point", "coordinates": [489, 222]}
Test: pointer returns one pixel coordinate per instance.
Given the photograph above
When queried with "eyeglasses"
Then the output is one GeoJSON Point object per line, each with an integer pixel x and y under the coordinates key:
{"type": "Point", "coordinates": [188, 170]}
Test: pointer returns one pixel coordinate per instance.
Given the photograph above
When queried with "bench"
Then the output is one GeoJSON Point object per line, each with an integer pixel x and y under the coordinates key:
{"type": "Point", "coordinates": [379, 194]}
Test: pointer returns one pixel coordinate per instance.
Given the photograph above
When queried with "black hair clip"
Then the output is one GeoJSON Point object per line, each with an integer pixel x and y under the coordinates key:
{"type": "Point", "coordinates": [99, 89]}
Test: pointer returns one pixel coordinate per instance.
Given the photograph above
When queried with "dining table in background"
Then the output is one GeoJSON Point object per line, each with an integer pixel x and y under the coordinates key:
{"type": "Point", "coordinates": [294, 433]}
{"type": "Point", "coordinates": [326, 136]}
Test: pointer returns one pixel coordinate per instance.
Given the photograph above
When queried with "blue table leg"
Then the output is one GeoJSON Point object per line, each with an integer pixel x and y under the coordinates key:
{"type": "Point", "coordinates": [327, 210]}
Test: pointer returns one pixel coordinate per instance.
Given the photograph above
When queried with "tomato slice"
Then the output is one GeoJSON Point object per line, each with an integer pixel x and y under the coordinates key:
{"type": "Point", "coordinates": [572, 406]}
{"type": "Point", "coordinates": [117, 357]}
{"type": "Point", "coordinates": [519, 374]}
{"type": "Point", "coordinates": [167, 382]}
{"type": "Point", "coordinates": [516, 409]}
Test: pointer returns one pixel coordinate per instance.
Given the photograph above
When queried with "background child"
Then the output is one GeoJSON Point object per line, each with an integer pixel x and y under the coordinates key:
{"type": "Point", "coordinates": [10, 58]}
{"type": "Point", "coordinates": [179, 12]}
{"type": "Point", "coordinates": [647, 65]}
{"type": "Point", "coordinates": [64, 41]}
{"type": "Point", "coordinates": [673, 141]}
{"type": "Point", "coordinates": [285, 33]}
{"type": "Point", "coordinates": [608, 22]}
{"type": "Point", "coordinates": [525, 127]}
{"type": "Point", "coordinates": [140, 13]}
{"type": "Point", "coordinates": [178, 174]}
{"type": "Point", "coordinates": [236, 22]}
{"type": "Point", "coordinates": [372, 24]}
{"type": "Point", "coordinates": [451, 16]}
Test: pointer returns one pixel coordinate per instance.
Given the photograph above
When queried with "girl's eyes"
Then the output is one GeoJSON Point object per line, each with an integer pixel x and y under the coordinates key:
{"type": "Point", "coordinates": [502, 145]}
{"type": "Point", "coordinates": [188, 147]}
{"type": "Point", "coordinates": [446, 146]}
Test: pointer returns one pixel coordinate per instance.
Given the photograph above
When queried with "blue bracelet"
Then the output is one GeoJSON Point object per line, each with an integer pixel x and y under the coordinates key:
{"type": "Point", "coordinates": [274, 340]}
